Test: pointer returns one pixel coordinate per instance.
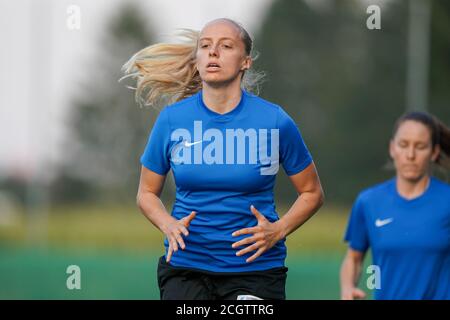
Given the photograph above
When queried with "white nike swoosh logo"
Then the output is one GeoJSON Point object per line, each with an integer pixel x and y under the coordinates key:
{"type": "Point", "coordinates": [380, 223]}
{"type": "Point", "coordinates": [188, 144]}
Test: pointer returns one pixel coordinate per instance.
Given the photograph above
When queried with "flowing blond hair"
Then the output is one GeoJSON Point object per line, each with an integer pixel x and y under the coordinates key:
{"type": "Point", "coordinates": [167, 72]}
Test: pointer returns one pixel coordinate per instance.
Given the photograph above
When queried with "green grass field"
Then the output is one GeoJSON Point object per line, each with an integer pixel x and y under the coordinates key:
{"type": "Point", "coordinates": [117, 250]}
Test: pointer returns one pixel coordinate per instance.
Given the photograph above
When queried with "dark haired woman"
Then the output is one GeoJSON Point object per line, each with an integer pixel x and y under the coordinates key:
{"type": "Point", "coordinates": [406, 220]}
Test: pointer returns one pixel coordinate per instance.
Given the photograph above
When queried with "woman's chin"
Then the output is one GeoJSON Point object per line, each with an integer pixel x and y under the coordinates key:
{"type": "Point", "coordinates": [216, 80]}
{"type": "Point", "coordinates": [412, 176]}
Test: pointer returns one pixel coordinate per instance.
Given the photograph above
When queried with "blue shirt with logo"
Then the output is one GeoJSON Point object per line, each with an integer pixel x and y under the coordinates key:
{"type": "Point", "coordinates": [222, 164]}
{"type": "Point", "coordinates": [409, 239]}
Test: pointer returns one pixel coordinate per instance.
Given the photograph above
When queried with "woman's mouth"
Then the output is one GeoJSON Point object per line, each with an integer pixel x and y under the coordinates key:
{"type": "Point", "coordinates": [212, 66]}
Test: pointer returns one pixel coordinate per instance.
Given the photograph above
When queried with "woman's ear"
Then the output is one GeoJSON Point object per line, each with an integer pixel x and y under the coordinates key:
{"type": "Point", "coordinates": [247, 63]}
{"type": "Point", "coordinates": [391, 148]}
{"type": "Point", "coordinates": [436, 152]}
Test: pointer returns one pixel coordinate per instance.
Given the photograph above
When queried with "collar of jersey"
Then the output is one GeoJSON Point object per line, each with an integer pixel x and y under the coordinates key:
{"type": "Point", "coordinates": [415, 199]}
{"type": "Point", "coordinates": [228, 116]}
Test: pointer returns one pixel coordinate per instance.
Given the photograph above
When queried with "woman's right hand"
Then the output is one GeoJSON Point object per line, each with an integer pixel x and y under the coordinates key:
{"type": "Point", "coordinates": [173, 232]}
{"type": "Point", "coordinates": [352, 294]}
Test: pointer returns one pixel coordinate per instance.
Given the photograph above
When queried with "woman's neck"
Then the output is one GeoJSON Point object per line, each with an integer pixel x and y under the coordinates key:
{"type": "Point", "coordinates": [412, 189]}
{"type": "Point", "coordinates": [222, 99]}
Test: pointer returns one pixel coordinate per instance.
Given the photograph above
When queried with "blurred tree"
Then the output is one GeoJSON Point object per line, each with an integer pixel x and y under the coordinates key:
{"type": "Point", "coordinates": [439, 81]}
{"type": "Point", "coordinates": [110, 130]}
{"type": "Point", "coordinates": [440, 60]}
{"type": "Point", "coordinates": [343, 83]}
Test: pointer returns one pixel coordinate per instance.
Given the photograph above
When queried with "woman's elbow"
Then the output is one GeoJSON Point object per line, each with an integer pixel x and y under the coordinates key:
{"type": "Point", "coordinates": [139, 200]}
{"type": "Point", "coordinates": [320, 196]}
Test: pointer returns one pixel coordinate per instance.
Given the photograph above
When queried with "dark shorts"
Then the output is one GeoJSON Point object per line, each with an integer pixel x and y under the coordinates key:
{"type": "Point", "coordinates": [190, 284]}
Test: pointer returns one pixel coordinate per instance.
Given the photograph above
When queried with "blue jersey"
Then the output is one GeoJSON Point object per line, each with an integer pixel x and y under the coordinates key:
{"type": "Point", "coordinates": [222, 164]}
{"type": "Point", "coordinates": [409, 239]}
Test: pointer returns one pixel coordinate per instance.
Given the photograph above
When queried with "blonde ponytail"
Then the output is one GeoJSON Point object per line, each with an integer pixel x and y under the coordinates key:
{"type": "Point", "coordinates": [165, 73]}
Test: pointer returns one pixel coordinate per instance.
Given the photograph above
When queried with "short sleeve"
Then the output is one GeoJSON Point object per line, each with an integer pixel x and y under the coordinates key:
{"type": "Point", "coordinates": [156, 153]}
{"type": "Point", "coordinates": [356, 234]}
{"type": "Point", "coordinates": [294, 155]}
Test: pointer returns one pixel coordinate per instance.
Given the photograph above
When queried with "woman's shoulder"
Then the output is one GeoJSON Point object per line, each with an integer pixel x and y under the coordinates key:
{"type": "Point", "coordinates": [261, 102]}
{"type": "Point", "coordinates": [177, 111]}
{"type": "Point", "coordinates": [377, 191]}
{"type": "Point", "coordinates": [191, 100]}
{"type": "Point", "coordinates": [271, 110]}
{"type": "Point", "coordinates": [443, 186]}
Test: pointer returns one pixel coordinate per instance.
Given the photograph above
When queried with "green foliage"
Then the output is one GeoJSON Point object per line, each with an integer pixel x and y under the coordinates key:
{"type": "Point", "coordinates": [110, 130]}
{"type": "Point", "coordinates": [345, 85]}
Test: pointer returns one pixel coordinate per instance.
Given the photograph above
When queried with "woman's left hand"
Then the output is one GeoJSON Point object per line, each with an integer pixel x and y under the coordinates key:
{"type": "Point", "coordinates": [264, 236]}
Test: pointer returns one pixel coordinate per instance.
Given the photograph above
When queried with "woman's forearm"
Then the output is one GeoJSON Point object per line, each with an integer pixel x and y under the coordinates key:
{"type": "Point", "coordinates": [153, 209]}
{"type": "Point", "coordinates": [350, 273]}
{"type": "Point", "coordinates": [303, 208]}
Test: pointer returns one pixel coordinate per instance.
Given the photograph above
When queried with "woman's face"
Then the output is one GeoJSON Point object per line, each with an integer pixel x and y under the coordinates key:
{"type": "Point", "coordinates": [221, 55]}
{"type": "Point", "coordinates": [412, 150]}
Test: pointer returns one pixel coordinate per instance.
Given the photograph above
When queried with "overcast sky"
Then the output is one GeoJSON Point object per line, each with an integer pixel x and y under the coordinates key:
{"type": "Point", "coordinates": [37, 70]}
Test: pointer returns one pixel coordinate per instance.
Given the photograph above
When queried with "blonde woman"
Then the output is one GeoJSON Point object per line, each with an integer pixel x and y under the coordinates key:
{"type": "Point", "coordinates": [223, 238]}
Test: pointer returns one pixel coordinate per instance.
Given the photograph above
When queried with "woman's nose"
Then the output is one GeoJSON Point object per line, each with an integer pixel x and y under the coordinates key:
{"type": "Point", "coordinates": [411, 153]}
{"type": "Point", "coordinates": [213, 51]}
